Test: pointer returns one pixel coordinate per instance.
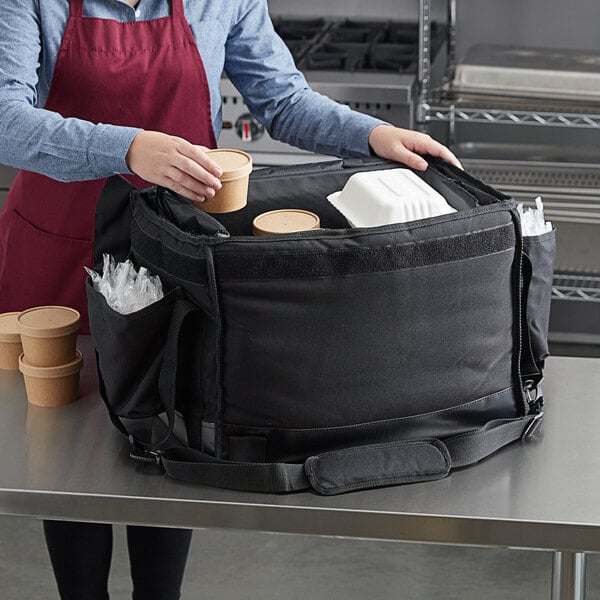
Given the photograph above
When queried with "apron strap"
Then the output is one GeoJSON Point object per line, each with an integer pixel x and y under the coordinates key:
{"type": "Point", "coordinates": [177, 9]}
{"type": "Point", "coordinates": [76, 8]}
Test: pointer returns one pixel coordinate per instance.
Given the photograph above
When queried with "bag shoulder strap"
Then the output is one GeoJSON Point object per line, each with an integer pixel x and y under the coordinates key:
{"type": "Point", "coordinates": [349, 469]}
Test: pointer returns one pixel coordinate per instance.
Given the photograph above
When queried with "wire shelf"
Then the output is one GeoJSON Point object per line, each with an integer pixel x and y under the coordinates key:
{"type": "Point", "coordinates": [514, 117]}
{"type": "Point", "coordinates": [576, 287]}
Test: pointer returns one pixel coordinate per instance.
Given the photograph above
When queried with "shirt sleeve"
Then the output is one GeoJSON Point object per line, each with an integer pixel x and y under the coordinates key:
{"type": "Point", "coordinates": [40, 140]}
{"type": "Point", "coordinates": [259, 64]}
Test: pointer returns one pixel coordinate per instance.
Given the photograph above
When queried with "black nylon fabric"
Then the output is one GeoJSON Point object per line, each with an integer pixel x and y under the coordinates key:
{"type": "Point", "coordinates": [340, 262]}
{"type": "Point", "coordinates": [188, 464]}
{"type": "Point", "coordinates": [273, 444]}
{"type": "Point", "coordinates": [350, 469]}
{"type": "Point", "coordinates": [336, 351]}
{"type": "Point", "coordinates": [113, 221]}
{"type": "Point", "coordinates": [175, 209]}
{"type": "Point", "coordinates": [473, 446]}
{"type": "Point", "coordinates": [475, 189]}
{"type": "Point", "coordinates": [176, 253]}
{"type": "Point", "coordinates": [305, 187]}
{"type": "Point", "coordinates": [130, 350]}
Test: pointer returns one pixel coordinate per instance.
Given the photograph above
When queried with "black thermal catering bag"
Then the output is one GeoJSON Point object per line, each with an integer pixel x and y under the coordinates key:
{"type": "Point", "coordinates": [336, 359]}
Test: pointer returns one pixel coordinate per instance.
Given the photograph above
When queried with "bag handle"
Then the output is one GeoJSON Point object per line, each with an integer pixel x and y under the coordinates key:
{"type": "Point", "coordinates": [349, 469]}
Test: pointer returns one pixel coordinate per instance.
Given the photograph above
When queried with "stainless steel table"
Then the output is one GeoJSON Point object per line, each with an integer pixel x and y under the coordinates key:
{"type": "Point", "coordinates": [542, 493]}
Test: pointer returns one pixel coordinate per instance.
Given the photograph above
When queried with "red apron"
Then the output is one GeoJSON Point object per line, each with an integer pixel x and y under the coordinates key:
{"type": "Point", "coordinates": [145, 74]}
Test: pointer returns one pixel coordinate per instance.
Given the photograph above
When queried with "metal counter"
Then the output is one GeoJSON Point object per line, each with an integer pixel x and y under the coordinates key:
{"type": "Point", "coordinates": [544, 493]}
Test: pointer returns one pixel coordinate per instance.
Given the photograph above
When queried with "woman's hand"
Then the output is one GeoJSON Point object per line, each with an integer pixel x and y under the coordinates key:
{"type": "Point", "coordinates": [405, 145]}
{"type": "Point", "coordinates": [174, 163]}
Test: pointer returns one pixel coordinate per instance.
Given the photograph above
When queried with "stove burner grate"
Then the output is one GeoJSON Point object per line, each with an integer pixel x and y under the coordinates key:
{"type": "Point", "coordinates": [300, 35]}
{"type": "Point", "coordinates": [338, 57]}
{"type": "Point", "coordinates": [354, 45]}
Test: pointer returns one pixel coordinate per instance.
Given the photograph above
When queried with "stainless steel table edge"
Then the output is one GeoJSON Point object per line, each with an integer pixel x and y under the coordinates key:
{"type": "Point", "coordinates": [356, 524]}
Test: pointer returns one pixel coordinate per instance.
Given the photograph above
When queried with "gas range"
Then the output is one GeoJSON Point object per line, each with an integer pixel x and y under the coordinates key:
{"type": "Point", "coordinates": [369, 65]}
{"type": "Point", "coordinates": [355, 46]}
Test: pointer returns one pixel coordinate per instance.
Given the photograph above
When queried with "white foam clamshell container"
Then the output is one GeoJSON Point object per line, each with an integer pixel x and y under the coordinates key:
{"type": "Point", "coordinates": [390, 196]}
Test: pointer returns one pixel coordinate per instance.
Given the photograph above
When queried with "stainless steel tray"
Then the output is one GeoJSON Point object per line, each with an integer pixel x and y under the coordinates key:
{"type": "Point", "coordinates": [509, 102]}
{"type": "Point", "coordinates": [495, 70]}
{"type": "Point", "coordinates": [569, 156]}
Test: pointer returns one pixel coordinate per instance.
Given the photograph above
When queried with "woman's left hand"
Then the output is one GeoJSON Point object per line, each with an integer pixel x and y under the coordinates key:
{"type": "Point", "coordinates": [405, 146]}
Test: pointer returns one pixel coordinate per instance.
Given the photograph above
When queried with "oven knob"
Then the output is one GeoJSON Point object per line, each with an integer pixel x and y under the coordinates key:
{"type": "Point", "coordinates": [248, 128]}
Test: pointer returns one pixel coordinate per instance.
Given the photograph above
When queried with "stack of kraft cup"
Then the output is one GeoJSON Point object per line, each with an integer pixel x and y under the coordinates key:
{"type": "Point", "coordinates": [41, 343]}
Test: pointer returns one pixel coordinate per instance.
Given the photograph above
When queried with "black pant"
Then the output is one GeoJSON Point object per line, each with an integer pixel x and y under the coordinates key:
{"type": "Point", "coordinates": [81, 553]}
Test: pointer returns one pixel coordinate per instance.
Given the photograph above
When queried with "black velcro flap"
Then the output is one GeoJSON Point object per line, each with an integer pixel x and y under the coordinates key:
{"type": "Point", "coordinates": [378, 465]}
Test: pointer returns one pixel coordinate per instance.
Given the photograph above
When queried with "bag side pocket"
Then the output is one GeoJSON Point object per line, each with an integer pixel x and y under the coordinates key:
{"type": "Point", "coordinates": [538, 268]}
{"type": "Point", "coordinates": [130, 351]}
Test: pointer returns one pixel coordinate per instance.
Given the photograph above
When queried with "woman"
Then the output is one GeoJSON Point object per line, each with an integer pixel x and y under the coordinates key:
{"type": "Point", "coordinates": [132, 86]}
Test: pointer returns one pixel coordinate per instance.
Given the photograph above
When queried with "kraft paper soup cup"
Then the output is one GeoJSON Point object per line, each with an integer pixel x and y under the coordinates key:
{"type": "Point", "coordinates": [290, 220]}
{"type": "Point", "coordinates": [52, 386]}
{"type": "Point", "coordinates": [49, 335]}
{"type": "Point", "coordinates": [233, 195]}
{"type": "Point", "coordinates": [10, 341]}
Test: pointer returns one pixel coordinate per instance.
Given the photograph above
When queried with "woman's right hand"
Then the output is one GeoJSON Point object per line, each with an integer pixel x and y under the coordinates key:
{"type": "Point", "coordinates": [174, 163]}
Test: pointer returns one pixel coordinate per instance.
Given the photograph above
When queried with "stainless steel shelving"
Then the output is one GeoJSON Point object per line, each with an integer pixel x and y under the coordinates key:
{"type": "Point", "coordinates": [430, 110]}
{"type": "Point", "coordinates": [576, 287]}
{"type": "Point", "coordinates": [452, 113]}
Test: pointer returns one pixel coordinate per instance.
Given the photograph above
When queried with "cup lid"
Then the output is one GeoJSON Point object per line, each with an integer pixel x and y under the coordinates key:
{"type": "Point", "coordinates": [51, 372]}
{"type": "Point", "coordinates": [287, 220]}
{"type": "Point", "coordinates": [9, 330]}
{"type": "Point", "coordinates": [48, 321]}
{"type": "Point", "coordinates": [235, 163]}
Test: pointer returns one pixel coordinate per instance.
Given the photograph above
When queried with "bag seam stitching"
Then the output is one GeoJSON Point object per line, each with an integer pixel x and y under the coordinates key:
{"type": "Point", "coordinates": [381, 421]}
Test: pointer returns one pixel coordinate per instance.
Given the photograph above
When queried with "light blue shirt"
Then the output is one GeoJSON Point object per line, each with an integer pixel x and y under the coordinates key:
{"type": "Point", "coordinates": [236, 36]}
